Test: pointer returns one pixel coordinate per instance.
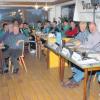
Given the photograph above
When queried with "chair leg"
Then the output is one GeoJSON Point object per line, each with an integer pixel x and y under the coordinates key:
{"type": "Point", "coordinates": [20, 62]}
{"type": "Point", "coordinates": [94, 77]}
{"type": "Point", "coordinates": [10, 66]}
{"type": "Point", "coordinates": [23, 63]}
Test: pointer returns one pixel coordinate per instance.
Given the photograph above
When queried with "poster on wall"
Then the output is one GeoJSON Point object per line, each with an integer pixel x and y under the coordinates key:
{"type": "Point", "coordinates": [84, 12]}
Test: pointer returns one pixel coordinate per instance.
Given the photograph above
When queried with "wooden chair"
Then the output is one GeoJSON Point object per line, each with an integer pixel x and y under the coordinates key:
{"type": "Point", "coordinates": [21, 58]}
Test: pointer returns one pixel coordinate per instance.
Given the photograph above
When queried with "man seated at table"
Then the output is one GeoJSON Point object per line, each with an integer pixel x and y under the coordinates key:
{"type": "Point", "coordinates": [13, 41]}
{"type": "Point", "coordinates": [54, 27]}
{"type": "Point", "coordinates": [93, 39]}
{"type": "Point", "coordinates": [83, 34]}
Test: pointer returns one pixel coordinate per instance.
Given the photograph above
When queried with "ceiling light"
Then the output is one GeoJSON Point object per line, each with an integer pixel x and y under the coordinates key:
{"type": "Point", "coordinates": [36, 6]}
{"type": "Point", "coordinates": [21, 13]}
{"type": "Point", "coordinates": [19, 10]}
{"type": "Point", "coordinates": [46, 7]}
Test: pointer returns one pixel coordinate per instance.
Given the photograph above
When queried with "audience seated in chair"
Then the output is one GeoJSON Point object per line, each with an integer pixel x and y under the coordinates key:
{"type": "Point", "coordinates": [14, 51]}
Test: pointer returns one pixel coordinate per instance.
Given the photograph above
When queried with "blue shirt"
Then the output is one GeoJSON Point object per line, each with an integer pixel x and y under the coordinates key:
{"type": "Point", "coordinates": [12, 39]}
{"type": "Point", "coordinates": [82, 36]}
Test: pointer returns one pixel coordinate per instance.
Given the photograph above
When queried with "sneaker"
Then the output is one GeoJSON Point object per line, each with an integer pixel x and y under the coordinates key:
{"type": "Point", "coordinates": [16, 70]}
{"type": "Point", "coordinates": [71, 84]}
{"type": "Point", "coordinates": [5, 71]}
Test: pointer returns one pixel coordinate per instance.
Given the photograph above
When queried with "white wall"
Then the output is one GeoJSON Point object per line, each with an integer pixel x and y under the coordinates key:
{"type": "Point", "coordinates": [55, 11]}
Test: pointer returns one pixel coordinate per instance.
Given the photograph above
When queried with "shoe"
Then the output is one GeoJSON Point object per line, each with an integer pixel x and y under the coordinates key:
{"type": "Point", "coordinates": [74, 85]}
{"type": "Point", "coordinates": [16, 70]}
{"type": "Point", "coordinates": [70, 77]}
{"type": "Point", "coordinates": [5, 71]}
{"type": "Point", "coordinates": [68, 83]}
{"type": "Point", "coordinates": [71, 84]}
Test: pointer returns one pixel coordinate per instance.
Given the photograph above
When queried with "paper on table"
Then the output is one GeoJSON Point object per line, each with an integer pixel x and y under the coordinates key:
{"type": "Point", "coordinates": [65, 52]}
{"type": "Point", "coordinates": [76, 56]}
{"type": "Point", "coordinates": [88, 62]}
{"type": "Point", "coordinates": [96, 56]}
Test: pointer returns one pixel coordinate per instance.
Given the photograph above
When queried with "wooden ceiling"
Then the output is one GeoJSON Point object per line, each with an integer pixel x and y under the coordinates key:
{"type": "Point", "coordinates": [31, 2]}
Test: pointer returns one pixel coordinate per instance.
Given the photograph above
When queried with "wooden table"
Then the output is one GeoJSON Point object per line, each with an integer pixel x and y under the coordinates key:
{"type": "Point", "coordinates": [38, 38]}
{"type": "Point", "coordinates": [63, 59]}
{"type": "Point", "coordinates": [86, 71]}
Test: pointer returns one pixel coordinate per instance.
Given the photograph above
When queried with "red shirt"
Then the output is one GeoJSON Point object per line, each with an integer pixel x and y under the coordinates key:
{"type": "Point", "coordinates": [72, 32]}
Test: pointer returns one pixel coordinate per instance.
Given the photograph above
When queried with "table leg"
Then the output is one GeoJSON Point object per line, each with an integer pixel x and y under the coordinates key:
{"type": "Point", "coordinates": [85, 84]}
{"type": "Point", "coordinates": [48, 58]}
{"type": "Point", "coordinates": [62, 67]}
{"type": "Point", "coordinates": [39, 50]}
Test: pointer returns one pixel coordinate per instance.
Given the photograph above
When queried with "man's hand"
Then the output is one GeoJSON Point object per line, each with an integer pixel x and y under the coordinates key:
{"type": "Point", "coordinates": [1, 44]}
{"type": "Point", "coordinates": [18, 42]}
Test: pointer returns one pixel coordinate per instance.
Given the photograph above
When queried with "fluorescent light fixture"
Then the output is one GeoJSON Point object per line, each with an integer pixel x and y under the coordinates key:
{"type": "Point", "coordinates": [36, 6]}
{"type": "Point", "coordinates": [46, 7]}
{"type": "Point", "coordinates": [19, 10]}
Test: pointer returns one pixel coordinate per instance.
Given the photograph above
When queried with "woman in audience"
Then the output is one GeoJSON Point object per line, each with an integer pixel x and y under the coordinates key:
{"type": "Point", "coordinates": [66, 27]}
{"type": "Point", "coordinates": [26, 30]}
{"type": "Point", "coordinates": [73, 31]}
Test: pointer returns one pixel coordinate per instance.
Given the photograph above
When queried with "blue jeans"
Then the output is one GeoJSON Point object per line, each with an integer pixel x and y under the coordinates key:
{"type": "Point", "coordinates": [98, 74]}
{"type": "Point", "coordinates": [79, 74]}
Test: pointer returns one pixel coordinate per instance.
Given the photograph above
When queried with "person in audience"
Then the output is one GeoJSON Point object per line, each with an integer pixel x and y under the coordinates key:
{"type": "Point", "coordinates": [66, 27]}
{"type": "Point", "coordinates": [73, 31]}
{"type": "Point", "coordinates": [21, 26]}
{"type": "Point", "coordinates": [13, 41]}
{"type": "Point", "coordinates": [4, 31]}
{"type": "Point", "coordinates": [54, 27]}
{"type": "Point", "coordinates": [83, 34]}
{"type": "Point", "coordinates": [47, 27]}
{"type": "Point", "coordinates": [10, 27]}
{"type": "Point", "coordinates": [26, 30]}
{"type": "Point", "coordinates": [39, 26]}
{"type": "Point", "coordinates": [93, 40]}
{"type": "Point", "coordinates": [15, 23]}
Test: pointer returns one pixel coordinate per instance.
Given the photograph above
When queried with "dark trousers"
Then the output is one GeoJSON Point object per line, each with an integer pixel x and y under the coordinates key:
{"type": "Point", "coordinates": [14, 55]}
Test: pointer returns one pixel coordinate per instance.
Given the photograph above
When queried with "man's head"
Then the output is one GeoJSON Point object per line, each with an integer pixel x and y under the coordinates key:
{"type": "Point", "coordinates": [16, 30]}
{"type": "Point", "coordinates": [92, 27]}
{"type": "Point", "coordinates": [83, 26]}
{"type": "Point", "coordinates": [65, 23]}
{"type": "Point", "coordinates": [10, 27]}
{"type": "Point", "coordinates": [54, 24]}
{"type": "Point", "coordinates": [16, 23]}
{"type": "Point", "coordinates": [72, 24]}
{"type": "Point", "coordinates": [5, 27]}
{"type": "Point", "coordinates": [21, 25]}
{"type": "Point", "coordinates": [25, 25]}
